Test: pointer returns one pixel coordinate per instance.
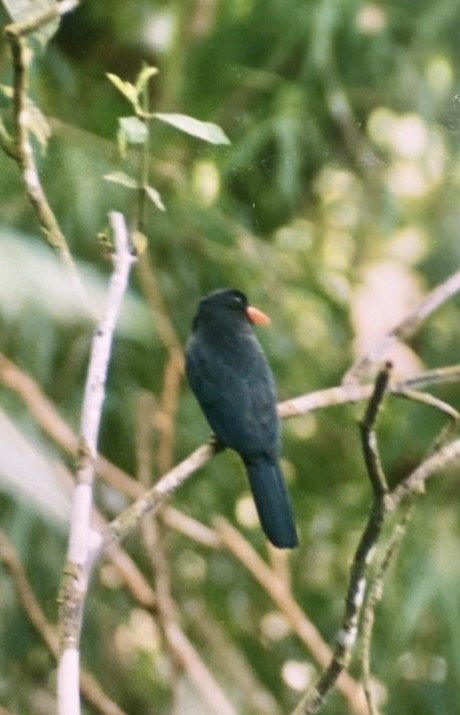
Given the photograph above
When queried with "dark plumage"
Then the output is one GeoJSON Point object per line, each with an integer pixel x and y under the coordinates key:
{"type": "Point", "coordinates": [229, 374]}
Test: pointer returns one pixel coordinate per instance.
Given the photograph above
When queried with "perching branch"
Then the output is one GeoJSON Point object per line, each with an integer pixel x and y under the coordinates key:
{"type": "Point", "coordinates": [83, 541]}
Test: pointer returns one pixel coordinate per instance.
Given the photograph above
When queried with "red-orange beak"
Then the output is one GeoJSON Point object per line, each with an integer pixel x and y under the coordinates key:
{"type": "Point", "coordinates": [256, 316]}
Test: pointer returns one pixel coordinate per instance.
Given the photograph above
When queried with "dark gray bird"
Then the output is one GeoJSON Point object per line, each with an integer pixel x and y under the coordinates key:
{"type": "Point", "coordinates": [229, 374]}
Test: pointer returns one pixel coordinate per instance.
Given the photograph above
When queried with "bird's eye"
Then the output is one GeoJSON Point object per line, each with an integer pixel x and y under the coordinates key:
{"type": "Point", "coordinates": [238, 301]}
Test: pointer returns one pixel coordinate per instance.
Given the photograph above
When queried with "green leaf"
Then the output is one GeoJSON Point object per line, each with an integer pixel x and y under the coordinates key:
{"type": "Point", "coordinates": [144, 75]}
{"type": "Point", "coordinates": [207, 131]}
{"type": "Point", "coordinates": [119, 177]}
{"type": "Point", "coordinates": [127, 89]}
{"type": "Point", "coordinates": [135, 131]}
{"type": "Point", "coordinates": [155, 196]}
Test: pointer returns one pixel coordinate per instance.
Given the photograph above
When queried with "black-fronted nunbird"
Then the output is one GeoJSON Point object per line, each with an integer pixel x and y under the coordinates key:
{"type": "Point", "coordinates": [229, 374]}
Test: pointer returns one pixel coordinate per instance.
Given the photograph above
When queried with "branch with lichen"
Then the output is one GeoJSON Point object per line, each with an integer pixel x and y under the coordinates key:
{"type": "Point", "coordinates": [385, 501]}
{"type": "Point", "coordinates": [83, 540]}
{"type": "Point", "coordinates": [313, 700]}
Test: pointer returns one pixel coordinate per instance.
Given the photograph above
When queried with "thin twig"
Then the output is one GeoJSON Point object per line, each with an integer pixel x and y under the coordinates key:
{"type": "Point", "coordinates": [32, 24]}
{"type": "Point", "coordinates": [415, 482]}
{"type": "Point", "coordinates": [373, 599]}
{"type": "Point", "coordinates": [368, 437]}
{"type": "Point", "coordinates": [314, 698]}
{"type": "Point", "coordinates": [406, 328]}
{"type": "Point", "coordinates": [24, 155]}
{"type": "Point", "coordinates": [130, 519]}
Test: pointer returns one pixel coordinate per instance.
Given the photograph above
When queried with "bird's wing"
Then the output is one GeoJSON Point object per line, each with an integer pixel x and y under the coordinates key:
{"type": "Point", "coordinates": [239, 404]}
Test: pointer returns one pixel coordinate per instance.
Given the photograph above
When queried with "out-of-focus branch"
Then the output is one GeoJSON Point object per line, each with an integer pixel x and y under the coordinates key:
{"type": "Point", "coordinates": [343, 115]}
{"type": "Point", "coordinates": [10, 559]}
{"type": "Point", "coordinates": [82, 540]}
{"type": "Point", "coordinates": [51, 422]}
{"type": "Point", "coordinates": [415, 482]}
{"type": "Point", "coordinates": [406, 328]}
{"type": "Point", "coordinates": [32, 24]}
{"type": "Point", "coordinates": [280, 594]}
{"type": "Point", "coordinates": [91, 689]}
{"type": "Point", "coordinates": [256, 696]}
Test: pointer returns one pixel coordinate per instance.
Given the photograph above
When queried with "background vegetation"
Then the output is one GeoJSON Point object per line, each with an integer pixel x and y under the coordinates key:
{"type": "Point", "coordinates": [334, 208]}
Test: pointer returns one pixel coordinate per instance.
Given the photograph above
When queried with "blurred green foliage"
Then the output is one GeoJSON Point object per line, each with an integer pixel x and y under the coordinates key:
{"type": "Point", "coordinates": [334, 208]}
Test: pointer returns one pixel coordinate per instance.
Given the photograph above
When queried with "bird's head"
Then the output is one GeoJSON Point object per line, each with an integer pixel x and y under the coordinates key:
{"type": "Point", "coordinates": [230, 304]}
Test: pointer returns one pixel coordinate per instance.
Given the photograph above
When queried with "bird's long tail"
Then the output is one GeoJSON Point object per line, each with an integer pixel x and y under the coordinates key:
{"type": "Point", "coordinates": [272, 502]}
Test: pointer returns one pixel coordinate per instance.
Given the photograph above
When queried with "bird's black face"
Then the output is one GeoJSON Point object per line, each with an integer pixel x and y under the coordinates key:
{"type": "Point", "coordinates": [225, 298]}
{"type": "Point", "coordinates": [228, 306]}
{"type": "Point", "coordinates": [222, 301]}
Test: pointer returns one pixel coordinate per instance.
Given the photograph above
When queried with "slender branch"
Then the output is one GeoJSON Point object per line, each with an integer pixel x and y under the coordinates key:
{"type": "Point", "coordinates": [82, 540]}
{"type": "Point", "coordinates": [24, 155]}
{"type": "Point", "coordinates": [406, 328]}
{"type": "Point", "coordinates": [314, 698]}
{"type": "Point", "coordinates": [32, 24]}
{"type": "Point", "coordinates": [373, 599]}
{"type": "Point", "coordinates": [350, 392]}
{"type": "Point", "coordinates": [368, 438]}
{"type": "Point", "coordinates": [130, 519]}
{"type": "Point", "coordinates": [415, 482]}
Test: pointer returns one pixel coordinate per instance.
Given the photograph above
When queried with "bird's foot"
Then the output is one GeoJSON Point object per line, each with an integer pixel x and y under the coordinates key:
{"type": "Point", "coordinates": [216, 444]}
